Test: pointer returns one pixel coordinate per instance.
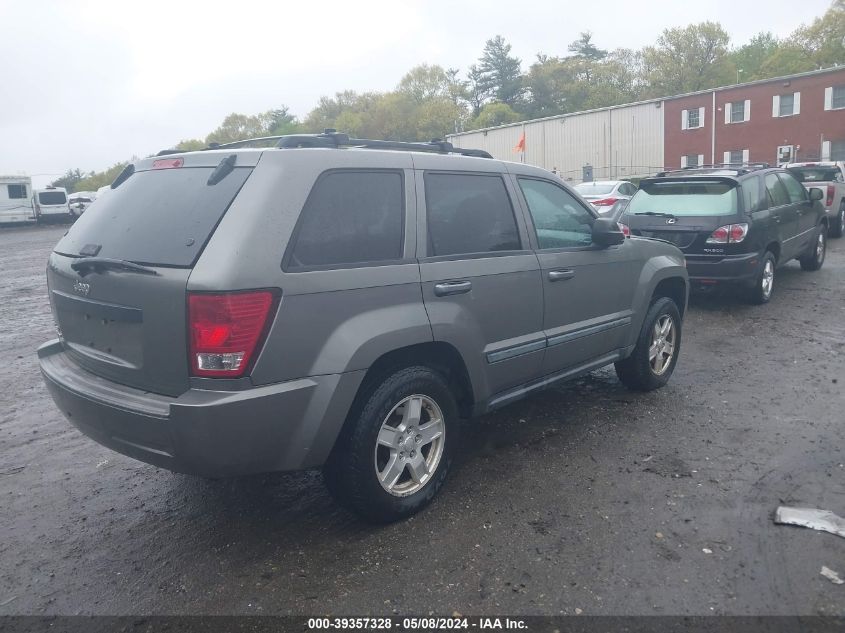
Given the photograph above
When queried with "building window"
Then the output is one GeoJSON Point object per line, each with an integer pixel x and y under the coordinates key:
{"type": "Point", "coordinates": [17, 192]}
{"type": "Point", "coordinates": [837, 150]}
{"type": "Point", "coordinates": [692, 119]}
{"type": "Point", "coordinates": [786, 105]}
{"type": "Point", "coordinates": [691, 160]}
{"type": "Point", "coordinates": [737, 112]}
{"type": "Point", "coordinates": [736, 157]}
{"type": "Point", "coordinates": [837, 98]}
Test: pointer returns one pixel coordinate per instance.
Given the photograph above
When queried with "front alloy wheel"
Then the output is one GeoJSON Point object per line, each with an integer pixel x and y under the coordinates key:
{"type": "Point", "coordinates": [815, 258]}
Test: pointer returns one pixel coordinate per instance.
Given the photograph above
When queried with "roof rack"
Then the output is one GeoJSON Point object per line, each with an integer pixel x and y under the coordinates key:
{"type": "Point", "coordinates": [333, 139]}
{"type": "Point", "coordinates": [740, 168]}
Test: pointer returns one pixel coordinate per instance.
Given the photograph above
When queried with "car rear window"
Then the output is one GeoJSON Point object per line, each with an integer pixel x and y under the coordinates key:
{"type": "Point", "coordinates": [52, 197]}
{"type": "Point", "coordinates": [705, 198]}
{"type": "Point", "coordinates": [159, 217]}
{"type": "Point", "coordinates": [814, 174]}
{"type": "Point", "coordinates": [592, 188]}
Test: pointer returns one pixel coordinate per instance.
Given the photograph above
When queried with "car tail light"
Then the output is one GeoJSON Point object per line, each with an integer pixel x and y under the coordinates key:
{"type": "Point", "coordinates": [604, 202]}
{"type": "Point", "coordinates": [625, 230]}
{"type": "Point", "coordinates": [226, 331]}
{"type": "Point", "coordinates": [168, 163]}
{"type": "Point", "coordinates": [728, 234]}
{"type": "Point", "coordinates": [829, 200]}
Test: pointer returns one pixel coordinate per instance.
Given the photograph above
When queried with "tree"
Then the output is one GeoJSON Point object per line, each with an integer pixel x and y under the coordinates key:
{"type": "Point", "coordinates": [478, 89]}
{"type": "Point", "coordinates": [95, 180]}
{"type": "Point", "coordinates": [584, 48]}
{"type": "Point", "coordinates": [70, 179]}
{"type": "Point", "coordinates": [425, 82]}
{"type": "Point", "coordinates": [190, 145]}
{"type": "Point", "coordinates": [280, 121]}
{"type": "Point", "coordinates": [688, 59]}
{"type": "Point", "coordinates": [495, 114]}
{"type": "Point", "coordinates": [823, 42]}
{"type": "Point", "coordinates": [499, 72]}
{"type": "Point", "coordinates": [752, 57]}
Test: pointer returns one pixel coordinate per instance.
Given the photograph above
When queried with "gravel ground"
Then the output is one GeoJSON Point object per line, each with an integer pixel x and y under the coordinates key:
{"type": "Point", "coordinates": [585, 497]}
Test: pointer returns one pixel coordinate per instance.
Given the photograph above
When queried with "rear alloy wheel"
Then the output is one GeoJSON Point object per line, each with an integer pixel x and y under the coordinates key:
{"type": "Point", "coordinates": [764, 285]}
{"type": "Point", "coordinates": [393, 456]}
{"type": "Point", "coordinates": [815, 258]}
{"type": "Point", "coordinates": [838, 228]}
{"type": "Point", "coordinates": [654, 358]}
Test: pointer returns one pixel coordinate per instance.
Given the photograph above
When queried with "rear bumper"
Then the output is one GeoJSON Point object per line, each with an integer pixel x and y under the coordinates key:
{"type": "Point", "coordinates": [284, 426]}
{"type": "Point", "coordinates": [714, 269]}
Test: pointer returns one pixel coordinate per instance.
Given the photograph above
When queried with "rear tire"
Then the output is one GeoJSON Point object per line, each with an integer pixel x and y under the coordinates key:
{"type": "Point", "coordinates": [390, 462]}
{"type": "Point", "coordinates": [656, 353]}
{"type": "Point", "coordinates": [838, 228]}
{"type": "Point", "coordinates": [764, 283]}
{"type": "Point", "coordinates": [815, 258]}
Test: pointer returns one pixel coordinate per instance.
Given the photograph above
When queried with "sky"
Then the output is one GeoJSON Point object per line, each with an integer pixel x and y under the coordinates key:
{"type": "Point", "coordinates": [89, 83]}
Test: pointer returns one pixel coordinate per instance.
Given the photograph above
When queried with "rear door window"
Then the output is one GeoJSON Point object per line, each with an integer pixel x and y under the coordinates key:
{"type": "Point", "coordinates": [776, 191]}
{"type": "Point", "coordinates": [469, 213]}
{"type": "Point", "coordinates": [351, 217]}
{"type": "Point", "coordinates": [158, 217]}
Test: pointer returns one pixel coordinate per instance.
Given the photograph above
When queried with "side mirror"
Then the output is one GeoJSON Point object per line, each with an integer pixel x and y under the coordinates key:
{"type": "Point", "coordinates": [816, 194]}
{"type": "Point", "coordinates": [606, 232]}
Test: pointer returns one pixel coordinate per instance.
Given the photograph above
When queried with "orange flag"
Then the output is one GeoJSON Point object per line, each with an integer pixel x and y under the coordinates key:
{"type": "Point", "coordinates": [520, 146]}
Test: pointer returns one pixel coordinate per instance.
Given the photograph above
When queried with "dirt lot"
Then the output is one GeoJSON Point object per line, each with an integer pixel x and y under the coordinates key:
{"type": "Point", "coordinates": [584, 497]}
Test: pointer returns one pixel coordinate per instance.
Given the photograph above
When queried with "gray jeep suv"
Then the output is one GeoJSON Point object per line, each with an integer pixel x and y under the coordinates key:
{"type": "Point", "coordinates": [341, 303]}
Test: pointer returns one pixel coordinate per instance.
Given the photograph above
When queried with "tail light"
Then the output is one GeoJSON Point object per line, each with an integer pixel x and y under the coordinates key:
{"type": "Point", "coordinates": [227, 330]}
{"type": "Point", "coordinates": [604, 202]}
{"type": "Point", "coordinates": [829, 200]}
{"type": "Point", "coordinates": [625, 230]}
{"type": "Point", "coordinates": [728, 234]}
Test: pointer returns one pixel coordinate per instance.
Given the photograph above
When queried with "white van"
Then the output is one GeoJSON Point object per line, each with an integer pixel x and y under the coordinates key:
{"type": "Point", "coordinates": [15, 199]}
{"type": "Point", "coordinates": [51, 204]}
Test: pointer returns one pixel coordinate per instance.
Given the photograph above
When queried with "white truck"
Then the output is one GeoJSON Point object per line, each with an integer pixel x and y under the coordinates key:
{"type": "Point", "coordinates": [829, 176]}
{"type": "Point", "coordinates": [16, 199]}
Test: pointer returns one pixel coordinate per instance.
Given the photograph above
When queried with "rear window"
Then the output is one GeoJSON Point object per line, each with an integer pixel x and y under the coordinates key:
{"type": "Point", "coordinates": [815, 174]}
{"type": "Point", "coordinates": [593, 189]}
{"type": "Point", "coordinates": [52, 197]}
{"type": "Point", "coordinates": [469, 213]}
{"type": "Point", "coordinates": [160, 217]}
{"type": "Point", "coordinates": [685, 198]}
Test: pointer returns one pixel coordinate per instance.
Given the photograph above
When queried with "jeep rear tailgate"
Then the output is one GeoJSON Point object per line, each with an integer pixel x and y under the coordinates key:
{"type": "Point", "coordinates": [117, 279]}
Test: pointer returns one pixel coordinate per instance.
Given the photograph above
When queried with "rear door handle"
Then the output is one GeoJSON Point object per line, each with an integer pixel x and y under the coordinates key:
{"type": "Point", "coordinates": [452, 288]}
{"type": "Point", "coordinates": [561, 275]}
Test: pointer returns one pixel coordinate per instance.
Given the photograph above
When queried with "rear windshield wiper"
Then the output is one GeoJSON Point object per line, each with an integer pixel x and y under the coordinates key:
{"type": "Point", "coordinates": [657, 213]}
{"type": "Point", "coordinates": [97, 264]}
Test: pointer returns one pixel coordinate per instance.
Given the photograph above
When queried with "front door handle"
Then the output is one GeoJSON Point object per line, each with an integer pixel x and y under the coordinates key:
{"type": "Point", "coordinates": [452, 288]}
{"type": "Point", "coordinates": [561, 275]}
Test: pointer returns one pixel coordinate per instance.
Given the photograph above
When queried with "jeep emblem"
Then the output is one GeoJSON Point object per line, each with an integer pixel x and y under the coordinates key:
{"type": "Point", "coordinates": [81, 288]}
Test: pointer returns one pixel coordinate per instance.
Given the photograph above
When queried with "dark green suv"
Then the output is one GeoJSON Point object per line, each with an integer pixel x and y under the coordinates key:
{"type": "Point", "coordinates": [735, 224]}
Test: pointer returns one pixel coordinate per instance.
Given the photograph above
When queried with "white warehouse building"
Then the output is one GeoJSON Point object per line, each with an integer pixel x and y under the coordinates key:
{"type": "Point", "coordinates": [616, 142]}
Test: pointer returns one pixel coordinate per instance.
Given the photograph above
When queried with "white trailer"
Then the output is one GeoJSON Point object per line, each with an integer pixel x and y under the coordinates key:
{"type": "Point", "coordinates": [16, 199]}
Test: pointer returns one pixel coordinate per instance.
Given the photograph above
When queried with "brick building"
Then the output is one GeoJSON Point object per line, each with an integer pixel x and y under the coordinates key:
{"type": "Point", "coordinates": [799, 117]}
{"type": "Point", "coordinates": [773, 121]}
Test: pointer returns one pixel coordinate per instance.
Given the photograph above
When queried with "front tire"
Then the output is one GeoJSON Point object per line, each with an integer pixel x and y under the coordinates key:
{"type": "Point", "coordinates": [395, 453]}
{"type": "Point", "coordinates": [655, 355]}
{"type": "Point", "coordinates": [815, 258]}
